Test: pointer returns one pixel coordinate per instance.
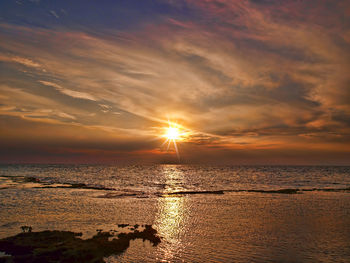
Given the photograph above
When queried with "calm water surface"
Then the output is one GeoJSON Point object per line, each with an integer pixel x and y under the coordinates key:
{"type": "Point", "coordinates": [246, 221]}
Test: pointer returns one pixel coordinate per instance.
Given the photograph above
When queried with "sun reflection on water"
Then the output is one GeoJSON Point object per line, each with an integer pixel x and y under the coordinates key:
{"type": "Point", "coordinates": [172, 214]}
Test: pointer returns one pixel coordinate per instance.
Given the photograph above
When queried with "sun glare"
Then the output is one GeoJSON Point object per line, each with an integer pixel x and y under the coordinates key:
{"type": "Point", "coordinates": [172, 133]}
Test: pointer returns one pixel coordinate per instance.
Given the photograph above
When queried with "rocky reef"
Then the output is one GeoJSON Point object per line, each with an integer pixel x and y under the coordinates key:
{"type": "Point", "coordinates": [65, 246]}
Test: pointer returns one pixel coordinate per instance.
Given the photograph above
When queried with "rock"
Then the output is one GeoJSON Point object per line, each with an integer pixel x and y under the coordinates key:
{"type": "Point", "coordinates": [65, 246]}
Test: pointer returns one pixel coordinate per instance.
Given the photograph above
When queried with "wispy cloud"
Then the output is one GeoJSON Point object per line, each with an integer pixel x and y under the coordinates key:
{"type": "Point", "coordinates": [20, 60]}
{"type": "Point", "coordinates": [72, 93]}
{"type": "Point", "coordinates": [54, 13]}
{"type": "Point", "coordinates": [239, 74]}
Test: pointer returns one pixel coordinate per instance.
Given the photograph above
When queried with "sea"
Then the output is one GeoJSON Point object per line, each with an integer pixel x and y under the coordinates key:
{"type": "Point", "coordinates": [203, 213]}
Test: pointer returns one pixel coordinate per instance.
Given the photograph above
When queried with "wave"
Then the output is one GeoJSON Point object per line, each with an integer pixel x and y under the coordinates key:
{"type": "Point", "coordinates": [278, 191]}
{"type": "Point", "coordinates": [291, 190]}
{"type": "Point", "coordinates": [33, 182]}
{"type": "Point", "coordinates": [267, 191]}
{"type": "Point", "coordinates": [219, 192]}
{"type": "Point", "coordinates": [120, 195]}
{"type": "Point", "coordinates": [77, 186]}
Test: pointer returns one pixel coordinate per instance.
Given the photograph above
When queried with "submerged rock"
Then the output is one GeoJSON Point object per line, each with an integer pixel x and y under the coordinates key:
{"type": "Point", "coordinates": [65, 246]}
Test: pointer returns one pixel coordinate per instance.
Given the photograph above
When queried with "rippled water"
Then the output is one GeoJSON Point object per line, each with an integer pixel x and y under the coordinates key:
{"type": "Point", "coordinates": [203, 213]}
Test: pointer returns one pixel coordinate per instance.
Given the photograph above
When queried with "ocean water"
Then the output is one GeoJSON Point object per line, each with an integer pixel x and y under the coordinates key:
{"type": "Point", "coordinates": [203, 213]}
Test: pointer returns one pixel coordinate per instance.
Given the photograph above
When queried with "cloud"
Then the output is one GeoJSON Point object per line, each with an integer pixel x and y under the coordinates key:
{"type": "Point", "coordinates": [19, 103]}
{"type": "Point", "coordinates": [54, 13]}
{"type": "Point", "coordinates": [72, 93]}
{"type": "Point", "coordinates": [20, 60]}
{"type": "Point", "coordinates": [236, 73]}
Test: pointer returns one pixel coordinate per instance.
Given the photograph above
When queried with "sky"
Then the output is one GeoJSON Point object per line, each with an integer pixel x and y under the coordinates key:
{"type": "Point", "coordinates": [248, 81]}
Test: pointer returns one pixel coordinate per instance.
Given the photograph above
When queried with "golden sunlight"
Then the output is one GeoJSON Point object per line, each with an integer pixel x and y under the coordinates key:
{"type": "Point", "coordinates": [173, 133]}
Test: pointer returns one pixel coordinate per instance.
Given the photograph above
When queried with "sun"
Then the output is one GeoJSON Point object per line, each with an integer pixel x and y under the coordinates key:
{"type": "Point", "coordinates": [172, 133]}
